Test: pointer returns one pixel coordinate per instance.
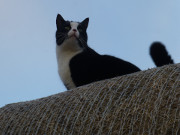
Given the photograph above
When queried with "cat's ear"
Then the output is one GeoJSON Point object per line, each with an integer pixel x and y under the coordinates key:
{"type": "Point", "coordinates": [85, 22]}
{"type": "Point", "coordinates": [59, 21]}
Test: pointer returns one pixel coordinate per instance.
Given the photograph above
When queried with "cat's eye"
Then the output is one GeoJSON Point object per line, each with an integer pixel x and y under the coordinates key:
{"type": "Point", "coordinates": [67, 28]}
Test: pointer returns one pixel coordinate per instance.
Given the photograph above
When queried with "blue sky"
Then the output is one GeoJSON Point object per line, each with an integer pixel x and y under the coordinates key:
{"type": "Point", "coordinates": [124, 29]}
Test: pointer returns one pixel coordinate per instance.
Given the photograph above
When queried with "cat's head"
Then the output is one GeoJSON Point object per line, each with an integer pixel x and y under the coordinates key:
{"type": "Point", "coordinates": [71, 29]}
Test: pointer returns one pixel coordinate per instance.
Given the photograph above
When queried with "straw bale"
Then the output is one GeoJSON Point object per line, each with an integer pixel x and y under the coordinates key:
{"type": "Point", "coordinates": [143, 103]}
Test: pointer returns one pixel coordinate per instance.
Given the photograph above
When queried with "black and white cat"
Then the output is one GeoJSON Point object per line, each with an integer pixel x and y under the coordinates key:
{"type": "Point", "coordinates": [78, 64]}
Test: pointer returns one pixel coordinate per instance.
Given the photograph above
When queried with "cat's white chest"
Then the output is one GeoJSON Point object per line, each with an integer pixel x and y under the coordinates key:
{"type": "Point", "coordinates": [65, 53]}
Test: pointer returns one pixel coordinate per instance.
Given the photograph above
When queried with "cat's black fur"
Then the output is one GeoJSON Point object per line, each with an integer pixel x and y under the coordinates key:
{"type": "Point", "coordinates": [160, 55]}
{"type": "Point", "coordinates": [89, 66]}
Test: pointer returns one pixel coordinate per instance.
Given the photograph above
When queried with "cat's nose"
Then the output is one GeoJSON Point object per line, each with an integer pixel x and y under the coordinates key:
{"type": "Point", "coordinates": [74, 30]}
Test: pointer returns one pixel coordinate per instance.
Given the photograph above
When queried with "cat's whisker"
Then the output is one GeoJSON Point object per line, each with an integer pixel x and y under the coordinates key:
{"type": "Point", "coordinates": [61, 35]}
{"type": "Point", "coordinates": [83, 42]}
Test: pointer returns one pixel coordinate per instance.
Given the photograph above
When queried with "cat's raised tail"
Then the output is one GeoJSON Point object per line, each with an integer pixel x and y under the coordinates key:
{"type": "Point", "coordinates": [160, 55]}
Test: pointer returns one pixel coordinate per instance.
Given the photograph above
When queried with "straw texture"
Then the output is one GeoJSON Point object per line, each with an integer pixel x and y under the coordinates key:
{"type": "Point", "coordinates": [143, 103]}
